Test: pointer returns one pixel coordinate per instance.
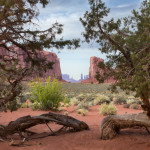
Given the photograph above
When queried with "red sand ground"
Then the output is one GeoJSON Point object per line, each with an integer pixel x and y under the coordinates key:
{"type": "Point", "coordinates": [128, 139]}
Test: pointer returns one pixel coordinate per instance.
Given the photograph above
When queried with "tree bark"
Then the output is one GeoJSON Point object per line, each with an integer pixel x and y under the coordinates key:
{"type": "Point", "coordinates": [110, 126]}
{"type": "Point", "coordinates": [146, 106]}
{"type": "Point", "coordinates": [21, 124]}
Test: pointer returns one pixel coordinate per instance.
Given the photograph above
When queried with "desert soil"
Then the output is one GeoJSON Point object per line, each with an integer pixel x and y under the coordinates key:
{"type": "Point", "coordinates": [128, 139]}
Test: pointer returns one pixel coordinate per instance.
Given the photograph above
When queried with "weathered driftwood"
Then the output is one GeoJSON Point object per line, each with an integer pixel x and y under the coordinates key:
{"type": "Point", "coordinates": [23, 123]}
{"type": "Point", "coordinates": [110, 126]}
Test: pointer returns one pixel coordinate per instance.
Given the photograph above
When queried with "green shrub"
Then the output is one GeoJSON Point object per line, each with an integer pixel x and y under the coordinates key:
{"type": "Point", "coordinates": [83, 105]}
{"type": "Point", "coordinates": [24, 97]}
{"type": "Point", "coordinates": [90, 98]}
{"type": "Point", "coordinates": [82, 111]}
{"type": "Point", "coordinates": [13, 105]}
{"type": "Point", "coordinates": [81, 97]}
{"type": "Point", "coordinates": [47, 95]}
{"type": "Point", "coordinates": [101, 99]}
{"type": "Point", "coordinates": [74, 101]}
{"type": "Point", "coordinates": [119, 99]}
{"type": "Point", "coordinates": [91, 103]}
{"type": "Point", "coordinates": [126, 105]}
{"type": "Point", "coordinates": [66, 100]}
{"type": "Point", "coordinates": [27, 105]}
{"type": "Point", "coordinates": [108, 109]}
{"type": "Point", "coordinates": [133, 101]}
{"type": "Point", "coordinates": [66, 113]}
{"type": "Point", "coordinates": [134, 106]}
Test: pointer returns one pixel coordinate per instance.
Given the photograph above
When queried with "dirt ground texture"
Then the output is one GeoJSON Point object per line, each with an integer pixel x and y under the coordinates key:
{"type": "Point", "coordinates": [128, 139]}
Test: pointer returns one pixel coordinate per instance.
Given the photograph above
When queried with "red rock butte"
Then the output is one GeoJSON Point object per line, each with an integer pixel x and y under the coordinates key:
{"type": "Point", "coordinates": [94, 61]}
{"type": "Point", "coordinates": [52, 57]}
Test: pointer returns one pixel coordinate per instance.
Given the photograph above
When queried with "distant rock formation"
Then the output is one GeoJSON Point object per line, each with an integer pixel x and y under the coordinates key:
{"type": "Point", "coordinates": [94, 61]}
{"type": "Point", "coordinates": [68, 79]}
{"type": "Point", "coordinates": [52, 57]}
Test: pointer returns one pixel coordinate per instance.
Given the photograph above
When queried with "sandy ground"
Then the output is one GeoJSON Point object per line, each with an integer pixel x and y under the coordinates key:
{"type": "Point", "coordinates": [128, 139]}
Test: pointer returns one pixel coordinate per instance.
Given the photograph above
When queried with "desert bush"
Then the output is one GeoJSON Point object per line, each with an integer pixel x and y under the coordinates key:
{"type": "Point", "coordinates": [134, 106]}
{"type": "Point", "coordinates": [82, 111]}
{"type": "Point", "coordinates": [13, 105]}
{"type": "Point", "coordinates": [90, 98]}
{"type": "Point", "coordinates": [133, 100]}
{"type": "Point", "coordinates": [23, 97]}
{"type": "Point", "coordinates": [119, 99]}
{"type": "Point", "coordinates": [91, 103]}
{"type": "Point", "coordinates": [47, 95]}
{"type": "Point", "coordinates": [83, 105]}
{"type": "Point", "coordinates": [101, 99]}
{"type": "Point", "coordinates": [108, 109]}
{"type": "Point", "coordinates": [66, 100]}
{"type": "Point", "coordinates": [74, 101]}
{"type": "Point", "coordinates": [81, 97]}
{"type": "Point", "coordinates": [27, 104]}
{"type": "Point", "coordinates": [126, 105]}
{"type": "Point", "coordinates": [66, 113]}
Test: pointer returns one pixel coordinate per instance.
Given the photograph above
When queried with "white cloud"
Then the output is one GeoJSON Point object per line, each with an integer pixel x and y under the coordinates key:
{"type": "Point", "coordinates": [122, 6]}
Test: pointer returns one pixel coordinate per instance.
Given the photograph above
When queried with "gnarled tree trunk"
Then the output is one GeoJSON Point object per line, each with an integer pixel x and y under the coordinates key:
{"type": "Point", "coordinates": [110, 126]}
{"type": "Point", "coordinates": [23, 123]}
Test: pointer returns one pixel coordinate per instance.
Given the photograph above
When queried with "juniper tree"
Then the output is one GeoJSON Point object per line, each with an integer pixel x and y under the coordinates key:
{"type": "Point", "coordinates": [17, 29]}
{"type": "Point", "coordinates": [126, 42]}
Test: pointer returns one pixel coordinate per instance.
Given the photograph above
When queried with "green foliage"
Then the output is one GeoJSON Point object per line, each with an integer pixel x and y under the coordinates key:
{"type": "Point", "coordinates": [13, 105]}
{"type": "Point", "coordinates": [82, 111]}
{"type": "Point", "coordinates": [99, 77]}
{"type": "Point", "coordinates": [83, 105]}
{"type": "Point", "coordinates": [108, 109]}
{"type": "Point", "coordinates": [126, 42]}
{"type": "Point", "coordinates": [66, 100]}
{"type": "Point", "coordinates": [47, 95]}
{"type": "Point", "coordinates": [101, 99]}
{"type": "Point", "coordinates": [81, 97]}
{"type": "Point", "coordinates": [24, 96]}
{"type": "Point", "coordinates": [134, 106]}
{"type": "Point", "coordinates": [90, 98]}
{"type": "Point", "coordinates": [21, 38]}
{"type": "Point", "coordinates": [66, 113]}
{"type": "Point", "coordinates": [126, 105]}
{"type": "Point", "coordinates": [74, 101]}
{"type": "Point", "coordinates": [120, 99]}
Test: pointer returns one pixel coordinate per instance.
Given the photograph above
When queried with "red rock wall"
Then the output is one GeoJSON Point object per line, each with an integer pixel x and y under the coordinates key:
{"type": "Point", "coordinates": [52, 57]}
{"type": "Point", "coordinates": [56, 71]}
{"type": "Point", "coordinates": [93, 69]}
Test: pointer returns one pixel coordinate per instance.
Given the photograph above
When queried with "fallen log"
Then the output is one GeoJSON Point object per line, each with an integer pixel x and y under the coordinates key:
{"type": "Point", "coordinates": [111, 125]}
{"type": "Point", "coordinates": [21, 124]}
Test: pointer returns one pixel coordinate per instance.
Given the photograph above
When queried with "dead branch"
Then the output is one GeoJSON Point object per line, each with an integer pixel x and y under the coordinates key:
{"type": "Point", "coordinates": [21, 124]}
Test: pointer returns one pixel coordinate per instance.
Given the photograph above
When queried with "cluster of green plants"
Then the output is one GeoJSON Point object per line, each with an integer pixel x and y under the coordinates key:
{"type": "Point", "coordinates": [55, 95]}
{"type": "Point", "coordinates": [108, 109]}
{"type": "Point", "coordinates": [84, 101]}
{"type": "Point", "coordinates": [48, 95]}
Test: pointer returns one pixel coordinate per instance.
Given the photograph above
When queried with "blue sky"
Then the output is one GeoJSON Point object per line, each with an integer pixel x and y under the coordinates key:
{"type": "Point", "coordinates": [68, 12]}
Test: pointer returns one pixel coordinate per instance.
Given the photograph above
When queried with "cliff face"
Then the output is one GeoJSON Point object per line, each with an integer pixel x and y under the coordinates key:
{"type": "Point", "coordinates": [93, 69]}
{"type": "Point", "coordinates": [56, 71]}
{"type": "Point", "coordinates": [52, 57]}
